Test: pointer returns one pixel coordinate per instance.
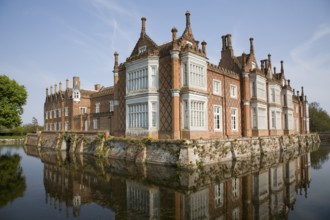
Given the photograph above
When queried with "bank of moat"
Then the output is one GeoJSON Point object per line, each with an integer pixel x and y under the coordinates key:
{"type": "Point", "coordinates": [181, 153]}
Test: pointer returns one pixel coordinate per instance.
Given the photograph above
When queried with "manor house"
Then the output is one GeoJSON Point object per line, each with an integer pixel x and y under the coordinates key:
{"type": "Point", "coordinates": [173, 91]}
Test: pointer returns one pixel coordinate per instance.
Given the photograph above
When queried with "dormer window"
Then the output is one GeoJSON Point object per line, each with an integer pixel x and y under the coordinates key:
{"type": "Point", "coordinates": [142, 49]}
{"type": "Point", "coordinates": [76, 95]}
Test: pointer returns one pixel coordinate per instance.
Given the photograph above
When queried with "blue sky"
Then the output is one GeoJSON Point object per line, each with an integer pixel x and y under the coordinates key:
{"type": "Point", "coordinates": [43, 42]}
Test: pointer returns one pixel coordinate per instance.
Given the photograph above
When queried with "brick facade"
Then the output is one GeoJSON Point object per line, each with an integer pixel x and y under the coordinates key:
{"type": "Point", "coordinates": [174, 92]}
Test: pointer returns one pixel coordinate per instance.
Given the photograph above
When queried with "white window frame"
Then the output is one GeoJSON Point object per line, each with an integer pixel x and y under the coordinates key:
{"type": "Point", "coordinates": [219, 195]}
{"type": "Point", "coordinates": [193, 71]}
{"type": "Point", "coordinates": [154, 114]}
{"type": "Point", "coordinates": [66, 111]}
{"type": "Point", "coordinates": [217, 87]}
{"type": "Point", "coordinates": [50, 126]}
{"type": "Point", "coordinates": [111, 106]}
{"type": "Point", "coordinates": [142, 49]}
{"type": "Point", "coordinates": [192, 122]}
{"type": "Point", "coordinates": [55, 114]}
{"type": "Point", "coordinates": [46, 116]}
{"type": "Point", "coordinates": [217, 112]}
{"type": "Point", "coordinates": [97, 107]}
{"type": "Point", "coordinates": [46, 126]}
{"type": "Point", "coordinates": [254, 120]}
{"type": "Point", "coordinates": [233, 91]}
{"type": "Point", "coordinates": [234, 119]}
{"type": "Point", "coordinates": [59, 126]}
{"type": "Point", "coordinates": [50, 114]}
{"type": "Point", "coordinates": [59, 113]}
{"type": "Point", "coordinates": [142, 76]}
{"type": "Point", "coordinates": [66, 125]}
{"type": "Point", "coordinates": [95, 123]}
{"type": "Point", "coordinates": [145, 116]}
{"type": "Point", "coordinates": [83, 110]}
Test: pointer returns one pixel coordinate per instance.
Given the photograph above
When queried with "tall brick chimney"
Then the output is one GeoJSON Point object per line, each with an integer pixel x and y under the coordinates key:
{"type": "Point", "coordinates": [76, 82]}
{"type": "Point", "coordinates": [204, 47]}
{"type": "Point", "coordinates": [67, 84]}
{"type": "Point", "coordinates": [282, 67]}
{"type": "Point", "coordinates": [174, 31]}
{"type": "Point", "coordinates": [143, 28]}
{"type": "Point", "coordinates": [251, 46]}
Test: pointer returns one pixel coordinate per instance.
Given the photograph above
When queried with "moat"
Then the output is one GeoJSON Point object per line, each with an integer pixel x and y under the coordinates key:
{"type": "Point", "coordinates": [59, 185]}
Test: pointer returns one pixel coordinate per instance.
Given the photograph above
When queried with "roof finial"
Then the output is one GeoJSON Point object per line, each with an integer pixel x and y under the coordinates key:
{"type": "Point", "coordinates": [251, 46]}
{"type": "Point", "coordinates": [143, 28]}
{"type": "Point", "coordinates": [187, 19]}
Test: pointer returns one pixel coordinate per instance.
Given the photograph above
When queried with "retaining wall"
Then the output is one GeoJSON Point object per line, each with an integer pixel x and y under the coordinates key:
{"type": "Point", "coordinates": [181, 153]}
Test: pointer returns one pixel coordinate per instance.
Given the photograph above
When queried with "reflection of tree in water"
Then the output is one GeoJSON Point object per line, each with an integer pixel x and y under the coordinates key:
{"type": "Point", "coordinates": [319, 157]}
{"type": "Point", "coordinates": [12, 182]}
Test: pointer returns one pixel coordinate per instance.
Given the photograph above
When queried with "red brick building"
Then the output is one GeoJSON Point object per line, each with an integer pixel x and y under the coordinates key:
{"type": "Point", "coordinates": [172, 91]}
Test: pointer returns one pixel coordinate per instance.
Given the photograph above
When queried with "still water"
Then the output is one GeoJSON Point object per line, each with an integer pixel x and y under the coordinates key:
{"type": "Point", "coordinates": [49, 185]}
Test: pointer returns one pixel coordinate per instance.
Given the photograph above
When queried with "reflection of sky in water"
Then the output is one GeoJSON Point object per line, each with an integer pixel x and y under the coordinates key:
{"type": "Point", "coordinates": [317, 203]}
{"type": "Point", "coordinates": [131, 195]}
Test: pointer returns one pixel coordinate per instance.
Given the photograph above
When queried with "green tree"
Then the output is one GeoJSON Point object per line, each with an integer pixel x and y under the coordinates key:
{"type": "Point", "coordinates": [319, 118]}
{"type": "Point", "coordinates": [12, 99]}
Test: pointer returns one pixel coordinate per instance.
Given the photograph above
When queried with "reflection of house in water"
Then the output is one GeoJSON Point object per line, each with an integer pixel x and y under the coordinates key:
{"type": "Point", "coordinates": [265, 194]}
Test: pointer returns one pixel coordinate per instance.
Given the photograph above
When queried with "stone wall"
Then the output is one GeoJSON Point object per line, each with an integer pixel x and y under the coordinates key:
{"type": "Point", "coordinates": [325, 138]}
{"type": "Point", "coordinates": [180, 153]}
{"type": "Point", "coordinates": [9, 141]}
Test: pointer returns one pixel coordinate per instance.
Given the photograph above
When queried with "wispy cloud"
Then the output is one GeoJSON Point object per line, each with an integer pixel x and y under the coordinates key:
{"type": "Point", "coordinates": [305, 54]}
{"type": "Point", "coordinates": [312, 65]}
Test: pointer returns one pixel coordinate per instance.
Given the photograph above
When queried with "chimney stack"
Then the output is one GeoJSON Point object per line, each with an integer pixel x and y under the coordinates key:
{"type": "Point", "coordinates": [274, 70]}
{"type": "Point", "coordinates": [282, 67]}
{"type": "Point", "coordinates": [143, 28]}
{"type": "Point", "coordinates": [116, 61]}
{"type": "Point", "coordinates": [289, 83]}
{"type": "Point", "coordinates": [187, 19]}
{"type": "Point", "coordinates": [97, 86]}
{"type": "Point", "coordinates": [60, 86]}
{"type": "Point", "coordinates": [174, 31]}
{"type": "Point", "coordinates": [46, 92]}
{"type": "Point", "coordinates": [204, 47]}
{"type": "Point", "coordinates": [51, 90]}
{"type": "Point", "coordinates": [67, 84]}
{"type": "Point", "coordinates": [55, 86]}
{"type": "Point", "coordinates": [251, 46]}
{"type": "Point", "coordinates": [76, 82]}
